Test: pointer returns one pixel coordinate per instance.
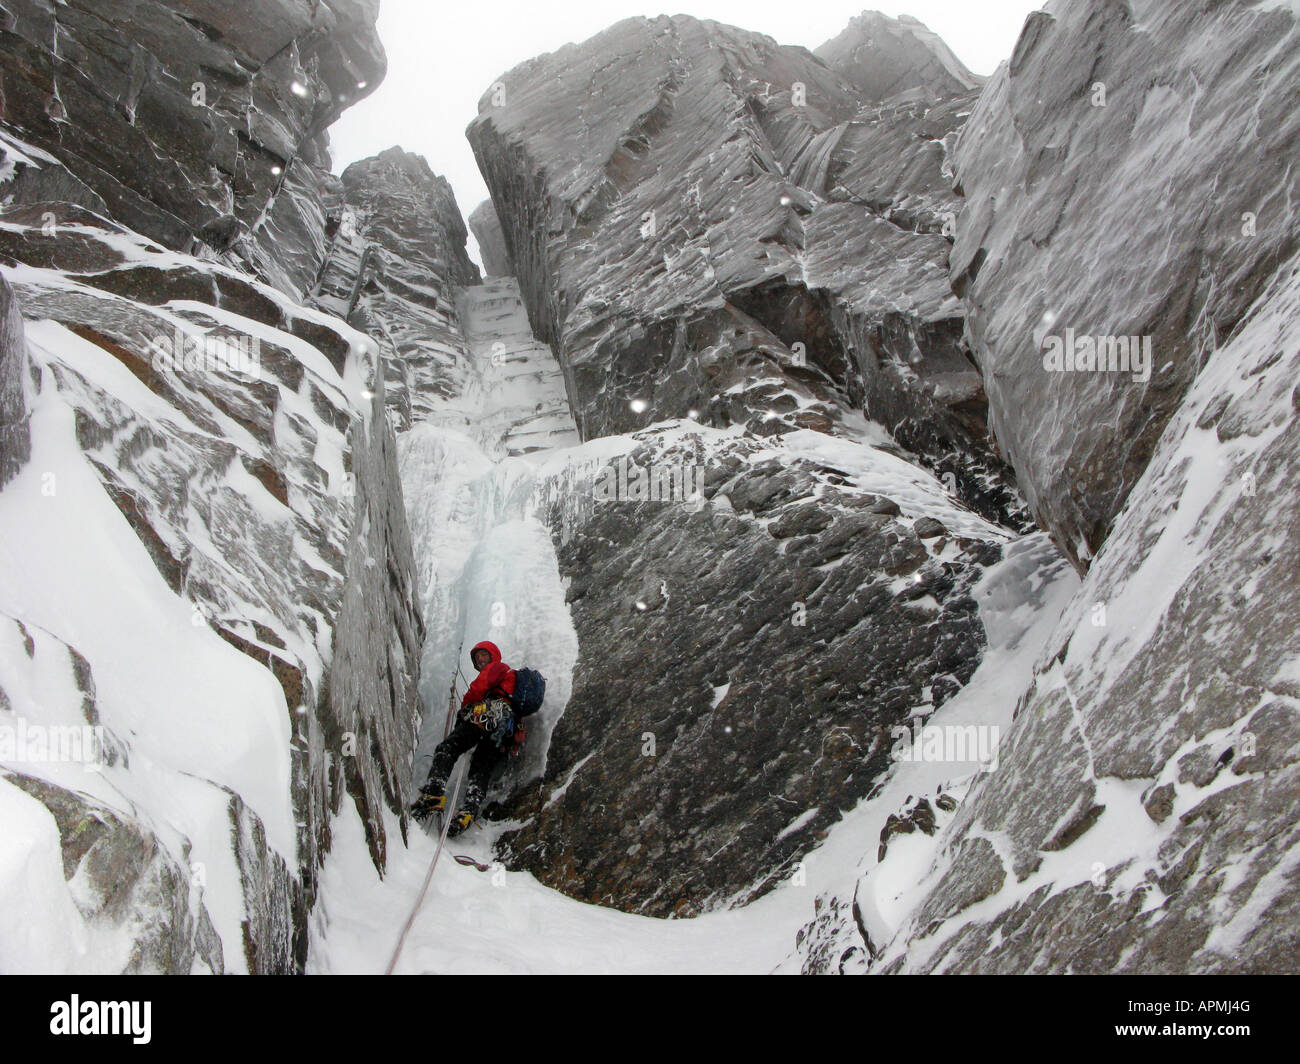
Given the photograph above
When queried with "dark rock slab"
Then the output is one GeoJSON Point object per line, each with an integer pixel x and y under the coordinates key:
{"type": "Point", "coordinates": [1151, 216]}
{"type": "Point", "coordinates": [725, 175]}
{"type": "Point", "coordinates": [882, 57]}
{"type": "Point", "coordinates": [742, 660]}
{"type": "Point", "coordinates": [487, 230]}
{"type": "Point", "coordinates": [208, 118]}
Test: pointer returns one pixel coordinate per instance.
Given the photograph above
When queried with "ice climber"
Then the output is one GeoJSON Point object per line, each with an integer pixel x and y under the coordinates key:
{"type": "Point", "coordinates": [486, 724]}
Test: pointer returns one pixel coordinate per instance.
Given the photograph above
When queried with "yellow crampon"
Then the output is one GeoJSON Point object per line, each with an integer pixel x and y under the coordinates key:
{"type": "Point", "coordinates": [428, 804]}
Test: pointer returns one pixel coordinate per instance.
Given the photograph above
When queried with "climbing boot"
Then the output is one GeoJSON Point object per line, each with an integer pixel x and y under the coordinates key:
{"type": "Point", "coordinates": [428, 804]}
{"type": "Point", "coordinates": [461, 823]}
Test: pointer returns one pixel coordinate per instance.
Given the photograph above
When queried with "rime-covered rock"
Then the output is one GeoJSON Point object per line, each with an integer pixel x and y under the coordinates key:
{"type": "Point", "coordinates": [1164, 837]}
{"type": "Point", "coordinates": [486, 226]}
{"type": "Point", "coordinates": [1128, 174]}
{"type": "Point", "coordinates": [230, 449]}
{"type": "Point", "coordinates": [739, 239]}
{"type": "Point", "coordinates": [744, 655]}
{"type": "Point", "coordinates": [235, 430]}
{"type": "Point", "coordinates": [737, 231]}
{"type": "Point", "coordinates": [1142, 815]}
{"type": "Point", "coordinates": [396, 262]}
{"type": "Point", "coordinates": [197, 122]}
{"type": "Point", "coordinates": [882, 57]}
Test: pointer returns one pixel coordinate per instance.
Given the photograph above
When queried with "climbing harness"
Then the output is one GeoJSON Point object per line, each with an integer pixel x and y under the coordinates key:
{"type": "Point", "coordinates": [495, 717]}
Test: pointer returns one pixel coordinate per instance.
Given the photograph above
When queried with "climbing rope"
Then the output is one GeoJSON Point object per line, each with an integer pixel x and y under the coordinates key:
{"type": "Point", "coordinates": [447, 817]}
{"type": "Point", "coordinates": [442, 839]}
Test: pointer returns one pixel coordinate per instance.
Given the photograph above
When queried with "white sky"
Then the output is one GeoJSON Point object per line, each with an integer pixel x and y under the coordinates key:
{"type": "Point", "coordinates": [442, 56]}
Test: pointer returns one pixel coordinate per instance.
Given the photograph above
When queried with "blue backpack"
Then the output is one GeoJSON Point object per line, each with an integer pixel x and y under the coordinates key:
{"type": "Point", "coordinates": [530, 690]}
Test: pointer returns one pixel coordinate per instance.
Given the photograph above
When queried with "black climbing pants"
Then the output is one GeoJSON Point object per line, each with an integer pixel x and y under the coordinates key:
{"type": "Point", "coordinates": [464, 737]}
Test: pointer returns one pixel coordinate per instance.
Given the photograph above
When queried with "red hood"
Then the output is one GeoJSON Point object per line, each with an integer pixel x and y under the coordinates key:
{"type": "Point", "coordinates": [491, 648]}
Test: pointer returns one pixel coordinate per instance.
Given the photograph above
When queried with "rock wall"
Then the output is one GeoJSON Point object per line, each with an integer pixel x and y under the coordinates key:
{"type": "Point", "coordinates": [737, 231]}
{"type": "Point", "coordinates": [740, 239]}
{"type": "Point", "coordinates": [396, 261]}
{"type": "Point", "coordinates": [208, 118]}
{"type": "Point", "coordinates": [729, 201]}
{"type": "Point", "coordinates": [1128, 174]}
{"type": "Point", "coordinates": [269, 505]}
{"type": "Point", "coordinates": [231, 462]}
{"type": "Point", "coordinates": [1165, 837]}
{"type": "Point", "coordinates": [744, 655]}
{"type": "Point", "coordinates": [486, 227]}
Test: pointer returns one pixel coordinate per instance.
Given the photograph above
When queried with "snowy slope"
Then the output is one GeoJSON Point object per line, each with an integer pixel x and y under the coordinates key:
{"type": "Point", "coordinates": [504, 922]}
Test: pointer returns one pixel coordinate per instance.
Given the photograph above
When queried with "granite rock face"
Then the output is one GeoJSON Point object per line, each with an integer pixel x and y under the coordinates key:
{"type": "Point", "coordinates": [737, 231]}
{"type": "Point", "coordinates": [1141, 813]}
{"type": "Point", "coordinates": [744, 655]}
{"type": "Point", "coordinates": [1142, 817]}
{"type": "Point", "coordinates": [208, 118]}
{"type": "Point", "coordinates": [397, 259]}
{"type": "Point", "coordinates": [231, 449]}
{"type": "Point", "coordinates": [1165, 837]}
{"type": "Point", "coordinates": [1128, 174]}
{"type": "Point", "coordinates": [167, 202]}
{"type": "Point", "coordinates": [883, 57]}
{"type": "Point", "coordinates": [739, 238]}
{"type": "Point", "coordinates": [486, 227]}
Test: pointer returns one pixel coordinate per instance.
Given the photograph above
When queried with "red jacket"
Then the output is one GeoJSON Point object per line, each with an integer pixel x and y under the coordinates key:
{"type": "Point", "coordinates": [497, 679]}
